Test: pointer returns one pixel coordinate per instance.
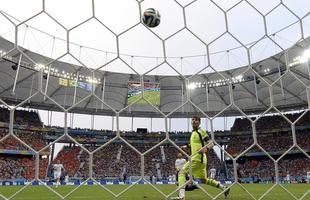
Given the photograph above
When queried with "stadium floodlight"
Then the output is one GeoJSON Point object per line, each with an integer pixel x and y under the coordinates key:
{"type": "Point", "coordinates": [301, 59]}
{"type": "Point", "coordinates": [39, 66]}
{"type": "Point", "coordinates": [2, 52]}
{"type": "Point", "coordinates": [239, 78]}
{"type": "Point", "coordinates": [192, 86]}
{"type": "Point", "coordinates": [93, 80]}
{"type": "Point", "coordinates": [266, 71]}
{"type": "Point", "coordinates": [306, 55]}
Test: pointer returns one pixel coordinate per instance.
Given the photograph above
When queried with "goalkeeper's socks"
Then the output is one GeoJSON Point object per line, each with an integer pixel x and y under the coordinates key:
{"type": "Point", "coordinates": [221, 186]}
{"type": "Point", "coordinates": [182, 193]}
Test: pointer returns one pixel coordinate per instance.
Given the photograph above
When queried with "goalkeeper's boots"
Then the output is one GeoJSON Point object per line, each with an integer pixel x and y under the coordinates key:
{"type": "Point", "coordinates": [226, 193]}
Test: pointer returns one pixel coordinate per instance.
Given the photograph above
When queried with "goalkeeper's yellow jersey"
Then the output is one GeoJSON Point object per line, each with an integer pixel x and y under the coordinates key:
{"type": "Point", "coordinates": [196, 144]}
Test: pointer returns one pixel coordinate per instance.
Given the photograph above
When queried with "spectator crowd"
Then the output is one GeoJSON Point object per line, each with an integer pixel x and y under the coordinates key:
{"type": "Point", "coordinates": [118, 159]}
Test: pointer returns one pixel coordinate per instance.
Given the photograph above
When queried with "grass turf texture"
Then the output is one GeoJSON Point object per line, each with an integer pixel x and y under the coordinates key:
{"type": "Point", "coordinates": [152, 96]}
{"type": "Point", "coordinates": [146, 192]}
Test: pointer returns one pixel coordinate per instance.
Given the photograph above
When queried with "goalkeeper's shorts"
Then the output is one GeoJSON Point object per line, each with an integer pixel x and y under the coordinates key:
{"type": "Point", "coordinates": [199, 170]}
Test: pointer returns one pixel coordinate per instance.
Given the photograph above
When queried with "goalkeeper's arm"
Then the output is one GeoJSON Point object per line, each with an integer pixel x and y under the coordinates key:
{"type": "Point", "coordinates": [209, 145]}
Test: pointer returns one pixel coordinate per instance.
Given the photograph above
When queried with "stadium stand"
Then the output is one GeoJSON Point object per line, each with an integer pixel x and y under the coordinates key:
{"type": "Point", "coordinates": [117, 158]}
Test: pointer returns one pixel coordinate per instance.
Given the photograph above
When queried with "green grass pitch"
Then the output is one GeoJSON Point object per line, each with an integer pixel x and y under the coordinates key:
{"type": "Point", "coordinates": [152, 96]}
{"type": "Point", "coordinates": [146, 192]}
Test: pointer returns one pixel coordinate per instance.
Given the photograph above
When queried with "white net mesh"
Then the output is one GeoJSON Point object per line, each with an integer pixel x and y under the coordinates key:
{"type": "Point", "coordinates": [69, 78]}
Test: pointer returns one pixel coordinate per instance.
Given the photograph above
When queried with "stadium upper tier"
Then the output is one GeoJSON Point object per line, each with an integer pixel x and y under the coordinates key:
{"type": "Point", "coordinates": [250, 89]}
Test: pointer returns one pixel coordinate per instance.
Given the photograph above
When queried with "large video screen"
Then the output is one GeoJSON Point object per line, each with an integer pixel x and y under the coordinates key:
{"type": "Point", "coordinates": [151, 92]}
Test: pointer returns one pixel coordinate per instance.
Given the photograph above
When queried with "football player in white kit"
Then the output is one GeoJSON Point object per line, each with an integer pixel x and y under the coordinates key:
{"type": "Point", "coordinates": [288, 177]}
{"type": "Point", "coordinates": [179, 163]}
{"type": "Point", "coordinates": [66, 179]}
{"type": "Point", "coordinates": [212, 173]}
{"type": "Point", "coordinates": [57, 172]}
{"type": "Point", "coordinates": [308, 177]}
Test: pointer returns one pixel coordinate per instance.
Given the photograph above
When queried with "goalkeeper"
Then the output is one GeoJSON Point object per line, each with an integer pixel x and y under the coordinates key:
{"type": "Point", "coordinates": [201, 143]}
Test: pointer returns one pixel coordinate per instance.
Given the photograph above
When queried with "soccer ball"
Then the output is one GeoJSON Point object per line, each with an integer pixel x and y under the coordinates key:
{"type": "Point", "coordinates": [151, 17]}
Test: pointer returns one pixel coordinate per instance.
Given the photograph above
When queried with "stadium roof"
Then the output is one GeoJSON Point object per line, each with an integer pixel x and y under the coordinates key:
{"type": "Point", "coordinates": [247, 89]}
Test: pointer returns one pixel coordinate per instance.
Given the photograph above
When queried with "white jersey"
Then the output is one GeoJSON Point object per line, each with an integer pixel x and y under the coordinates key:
{"type": "Point", "coordinates": [66, 178]}
{"type": "Point", "coordinates": [212, 173]}
{"type": "Point", "coordinates": [179, 163]}
{"type": "Point", "coordinates": [57, 168]}
{"type": "Point", "coordinates": [308, 175]}
{"type": "Point", "coordinates": [288, 178]}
